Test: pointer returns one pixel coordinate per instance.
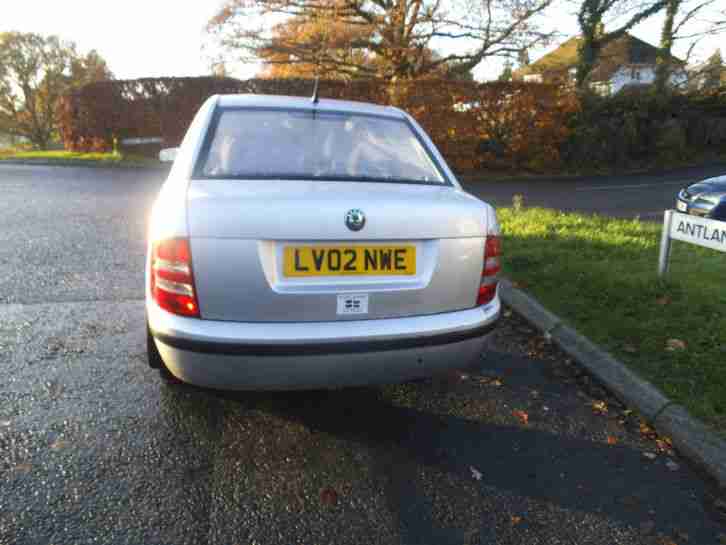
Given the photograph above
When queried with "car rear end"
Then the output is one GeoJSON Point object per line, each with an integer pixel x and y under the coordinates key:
{"type": "Point", "coordinates": [298, 246]}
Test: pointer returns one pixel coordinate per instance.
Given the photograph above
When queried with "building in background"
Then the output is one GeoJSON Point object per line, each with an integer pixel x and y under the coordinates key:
{"type": "Point", "coordinates": [10, 141]}
{"type": "Point", "coordinates": [625, 63]}
{"type": "Point", "coordinates": [708, 75]}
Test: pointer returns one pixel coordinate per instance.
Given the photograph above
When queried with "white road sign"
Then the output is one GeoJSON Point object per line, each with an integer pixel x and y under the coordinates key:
{"type": "Point", "coordinates": [700, 231]}
{"type": "Point", "coordinates": [142, 141]}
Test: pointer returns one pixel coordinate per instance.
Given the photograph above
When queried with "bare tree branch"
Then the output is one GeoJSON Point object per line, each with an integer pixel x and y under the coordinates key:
{"type": "Point", "coordinates": [591, 18]}
{"type": "Point", "coordinates": [391, 38]}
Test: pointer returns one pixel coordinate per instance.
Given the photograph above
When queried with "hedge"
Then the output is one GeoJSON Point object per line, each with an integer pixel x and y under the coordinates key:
{"type": "Point", "coordinates": [506, 124]}
{"type": "Point", "coordinates": [477, 126]}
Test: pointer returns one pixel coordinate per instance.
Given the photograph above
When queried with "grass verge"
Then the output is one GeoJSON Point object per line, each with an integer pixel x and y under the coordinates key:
{"type": "Point", "coordinates": [599, 274]}
{"type": "Point", "coordinates": [78, 158]}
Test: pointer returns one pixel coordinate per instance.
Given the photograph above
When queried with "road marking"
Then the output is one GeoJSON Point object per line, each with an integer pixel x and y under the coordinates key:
{"type": "Point", "coordinates": [633, 186]}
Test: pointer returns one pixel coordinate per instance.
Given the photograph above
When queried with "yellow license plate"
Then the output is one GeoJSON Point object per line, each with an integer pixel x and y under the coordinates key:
{"type": "Point", "coordinates": [349, 260]}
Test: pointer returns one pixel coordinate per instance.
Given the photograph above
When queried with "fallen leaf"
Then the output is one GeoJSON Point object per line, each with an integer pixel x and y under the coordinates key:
{"type": "Point", "coordinates": [670, 464]}
{"type": "Point", "coordinates": [612, 440]}
{"type": "Point", "coordinates": [630, 501]}
{"type": "Point", "coordinates": [664, 446]}
{"type": "Point", "coordinates": [516, 520]}
{"type": "Point", "coordinates": [60, 443]}
{"type": "Point", "coordinates": [328, 496]}
{"type": "Point", "coordinates": [665, 300]}
{"type": "Point", "coordinates": [457, 376]}
{"type": "Point", "coordinates": [675, 344]}
{"type": "Point", "coordinates": [647, 432]}
{"type": "Point", "coordinates": [22, 468]}
{"type": "Point", "coordinates": [600, 407]}
{"type": "Point", "coordinates": [490, 381]}
{"type": "Point", "coordinates": [475, 473]}
{"type": "Point", "coordinates": [650, 456]}
{"type": "Point", "coordinates": [523, 416]}
{"type": "Point", "coordinates": [680, 534]}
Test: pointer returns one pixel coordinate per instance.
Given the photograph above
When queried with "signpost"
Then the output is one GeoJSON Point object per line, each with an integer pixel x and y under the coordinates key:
{"type": "Point", "coordinates": [142, 141]}
{"type": "Point", "coordinates": [693, 229]}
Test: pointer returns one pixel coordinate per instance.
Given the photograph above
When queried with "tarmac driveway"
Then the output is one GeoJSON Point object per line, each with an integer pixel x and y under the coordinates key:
{"type": "Point", "coordinates": [634, 195]}
{"type": "Point", "coordinates": [520, 448]}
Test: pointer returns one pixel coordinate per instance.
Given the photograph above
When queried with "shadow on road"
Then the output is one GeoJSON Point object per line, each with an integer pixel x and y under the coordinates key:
{"type": "Point", "coordinates": [559, 468]}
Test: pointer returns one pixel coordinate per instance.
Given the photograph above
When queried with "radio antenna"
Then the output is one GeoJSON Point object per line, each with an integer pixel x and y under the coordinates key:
{"type": "Point", "coordinates": [315, 98]}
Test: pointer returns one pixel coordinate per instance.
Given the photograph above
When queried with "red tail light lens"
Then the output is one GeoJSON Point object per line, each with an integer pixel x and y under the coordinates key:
{"type": "Point", "coordinates": [172, 283]}
{"type": "Point", "coordinates": [490, 274]}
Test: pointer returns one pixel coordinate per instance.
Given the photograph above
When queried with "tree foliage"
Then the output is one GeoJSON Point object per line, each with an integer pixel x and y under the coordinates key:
{"type": "Point", "coordinates": [713, 71]}
{"type": "Point", "coordinates": [676, 26]}
{"type": "Point", "coordinates": [35, 71]}
{"type": "Point", "coordinates": [591, 19]}
{"type": "Point", "coordinates": [507, 72]}
{"type": "Point", "coordinates": [383, 38]}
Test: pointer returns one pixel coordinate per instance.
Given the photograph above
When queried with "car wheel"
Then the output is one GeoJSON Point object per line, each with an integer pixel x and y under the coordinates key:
{"type": "Point", "coordinates": [155, 361]}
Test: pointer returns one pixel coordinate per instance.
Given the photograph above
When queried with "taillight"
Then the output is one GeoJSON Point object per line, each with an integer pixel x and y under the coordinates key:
{"type": "Point", "coordinates": [490, 274]}
{"type": "Point", "coordinates": [172, 283]}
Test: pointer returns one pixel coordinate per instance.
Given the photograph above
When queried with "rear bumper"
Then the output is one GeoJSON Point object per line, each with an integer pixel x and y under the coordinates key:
{"type": "Point", "coordinates": [285, 356]}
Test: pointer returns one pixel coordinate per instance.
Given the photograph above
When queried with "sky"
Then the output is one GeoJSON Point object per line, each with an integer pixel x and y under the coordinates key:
{"type": "Point", "coordinates": [151, 38]}
{"type": "Point", "coordinates": [138, 38]}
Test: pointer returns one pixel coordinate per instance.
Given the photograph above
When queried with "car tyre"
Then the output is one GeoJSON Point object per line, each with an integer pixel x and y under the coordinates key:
{"type": "Point", "coordinates": [156, 362]}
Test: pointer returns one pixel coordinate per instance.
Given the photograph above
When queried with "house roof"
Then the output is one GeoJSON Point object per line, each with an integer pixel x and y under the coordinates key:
{"type": "Point", "coordinates": [624, 51]}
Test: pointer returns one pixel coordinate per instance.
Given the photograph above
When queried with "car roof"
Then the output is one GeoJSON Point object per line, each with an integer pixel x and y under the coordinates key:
{"type": "Point", "coordinates": [324, 104]}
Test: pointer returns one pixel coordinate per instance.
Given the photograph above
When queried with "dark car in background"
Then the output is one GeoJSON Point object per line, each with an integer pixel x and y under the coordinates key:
{"type": "Point", "coordinates": [706, 199]}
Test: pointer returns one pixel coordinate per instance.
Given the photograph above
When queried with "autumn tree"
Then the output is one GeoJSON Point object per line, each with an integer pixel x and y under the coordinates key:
{"type": "Point", "coordinates": [35, 71]}
{"type": "Point", "coordinates": [383, 38]}
{"type": "Point", "coordinates": [342, 60]}
{"type": "Point", "coordinates": [88, 68]}
{"type": "Point", "coordinates": [591, 18]}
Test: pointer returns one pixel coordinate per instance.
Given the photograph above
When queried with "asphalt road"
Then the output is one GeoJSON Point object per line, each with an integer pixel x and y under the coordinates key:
{"type": "Point", "coordinates": [95, 449]}
{"type": "Point", "coordinates": [635, 195]}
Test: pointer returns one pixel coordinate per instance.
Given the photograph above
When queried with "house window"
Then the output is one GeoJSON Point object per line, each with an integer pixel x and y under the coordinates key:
{"type": "Point", "coordinates": [636, 75]}
{"type": "Point", "coordinates": [602, 88]}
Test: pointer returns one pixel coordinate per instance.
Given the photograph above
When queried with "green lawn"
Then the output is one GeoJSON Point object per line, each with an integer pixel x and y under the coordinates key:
{"type": "Point", "coordinates": [71, 157]}
{"type": "Point", "coordinates": [599, 274]}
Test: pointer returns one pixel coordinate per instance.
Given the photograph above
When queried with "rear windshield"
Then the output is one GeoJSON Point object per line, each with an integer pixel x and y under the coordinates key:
{"type": "Point", "coordinates": [304, 144]}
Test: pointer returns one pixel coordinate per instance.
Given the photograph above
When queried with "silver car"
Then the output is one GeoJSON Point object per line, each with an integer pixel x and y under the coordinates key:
{"type": "Point", "coordinates": [301, 244]}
